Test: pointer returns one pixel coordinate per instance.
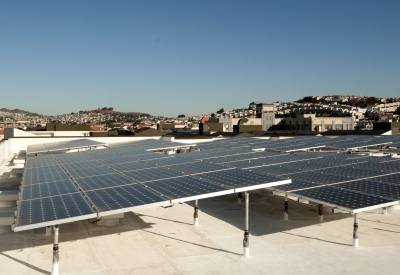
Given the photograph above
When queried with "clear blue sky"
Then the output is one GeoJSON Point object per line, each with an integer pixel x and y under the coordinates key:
{"type": "Point", "coordinates": [193, 57]}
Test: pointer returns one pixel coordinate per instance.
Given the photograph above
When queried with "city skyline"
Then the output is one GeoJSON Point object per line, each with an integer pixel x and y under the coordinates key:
{"type": "Point", "coordinates": [167, 58]}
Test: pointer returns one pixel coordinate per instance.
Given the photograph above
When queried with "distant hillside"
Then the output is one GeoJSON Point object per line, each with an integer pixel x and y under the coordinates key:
{"type": "Point", "coordinates": [18, 111]}
{"type": "Point", "coordinates": [115, 112]}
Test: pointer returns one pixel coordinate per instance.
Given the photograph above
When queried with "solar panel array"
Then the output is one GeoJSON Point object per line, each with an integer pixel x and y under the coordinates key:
{"type": "Point", "coordinates": [62, 146]}
{"type": "Point", "coordinates": [116, 180]}
{"type": "Point", "coordinates": [302, 143]}
{"type": "Point", "coordinates": [131, 176]}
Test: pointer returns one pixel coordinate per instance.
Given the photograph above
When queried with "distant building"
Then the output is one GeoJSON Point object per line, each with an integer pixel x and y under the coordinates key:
{"type": "Point", "coordinates": [67, 127]}
{"type": "Point", "coordinates": [264, 108]}
{"type": "Point", "coordinates": [309, 122]}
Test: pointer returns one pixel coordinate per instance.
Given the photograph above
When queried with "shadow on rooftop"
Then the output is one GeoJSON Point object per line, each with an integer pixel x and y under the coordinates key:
{"type": "Point", "coordinates": [265, 214]}
{"type": "Point", "coordinates": [318, 239]}
{"type": "Point", "coordinates": [196, 244]}
{"type": "Point", "coordinates": [26, 264]}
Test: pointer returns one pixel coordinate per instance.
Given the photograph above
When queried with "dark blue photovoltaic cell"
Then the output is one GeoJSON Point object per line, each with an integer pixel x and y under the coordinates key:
{"type": "Point", "coordinates": [352, 172]}
{"type": "Point", "coordinates": [275, 170]}
{"type": "Point", "coordinates": [296, 185]}
{"type": "Point", "coordinates": [131, 166]}
{"type": "Point", "coordinates": [372, 187]}
{"type": "Point", "coordinates": [393, 178]}
{"type": "Point", "coordinates": [247, 156]}
{"type": "Point", "coordinates": [72, 158]}
{"type": "Point", "coordinates": [167, 161]}
{"type": "Point", "coordinates": [197, 167]}
{"type": "Point", "coordinates": [40, 161]}
{"type": "Point", "coordinates": [123, 197]}
{"type": "Point", "coordinates": [52, 209]}
{"type": "Point", "coordinates": [81, 165]}
{"type": "Point", "coordinates": [318, 177]}
{"type": "Point", "coordinates": [50, 189]}
{"type": "Point", "coordinates": [307, 165]}
{"type": "Point", "coordinates": [100, 154]}
{"type": "Point", "coordinates": [388, 167]}
{"type": "Point", "coordinates": [152, 174]}
{"type": "Point", "coordinates": [147, 156]}
{"type": "Point", "coordinates": [342, 198]}
{"type": "Point", "coordinates": [89, 172]}
{"type": "Point", "coordinates": [235, 178]}
{"type": "Point", "coordinates": [103, 181]}
{"type": "Point", "coordinates": [184, 187]}
{"type": "Point", "coordinates": [44, 174]}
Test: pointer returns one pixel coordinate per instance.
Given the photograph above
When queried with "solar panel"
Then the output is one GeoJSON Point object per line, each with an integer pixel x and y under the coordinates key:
{"type": "Point", "coordinates": [305, 165]}
{"type": "Point", "coordinates": [345, 199]}
{"type": "Point", "coordinates": [152, 174]}
{"type": "Point", "coordinates": [296, 185]}
{"type": "Point", "coordinates": [284, 158]}
{"type": "Point", "coordinates": [52, 211]}
{"type": "Point", "coordinates": [147, 156]}
{"type": "Point", "coordinates": [351, 172]}
{"type": "Point", "coordinates": [393, 178]}
{"type": "Point", "coordinates": [275, 170]}
{"type": "Point", "coordinates": [44, 174]}
{"type": "Point", "coordinates": [238, 178]}
{"type": "Point", "coordinates": [186, 188]}
{"type": "Point", "coordinates": [318, 177]}
{"type": "Point", "coordinates": [50, 189]}
{"type": "Point", "coordinates": [131, 166]}
{"type": "Point", "coordinates": [167, 161]}
{"type": "Point", "coordinates": [103, 181]}
{"type": "Point", "coordinates": [89, 172]}
{"type": "Point", "coordinates": [40, 161]}
{"type": "Point", "coordinates": [372, 187]}
{"type": "Point", "coordinates": [72, 158]}
{"type": "Point", "coordinates": [124, 198]}
{"type": "Point", "coordinates": [81, 165]}
{"type": "Point", "coordinates": [389, 166]}
{"type": "Point", "coordinates": [100, 154]}
{"type": "Point", "coordinates": [197, 167]}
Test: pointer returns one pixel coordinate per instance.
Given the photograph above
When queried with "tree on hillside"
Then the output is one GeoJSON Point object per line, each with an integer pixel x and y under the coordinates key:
{"type": "Point", "coordinates": [252, 105]}
{"type": "Point", "coordinates": [371, 100]}
{"type": "Point", "coordinates": [182, 115]}
{"type": "Point", "coordinates": [220, 111]}
{"type": "Point", "coordinates": [308, 99]}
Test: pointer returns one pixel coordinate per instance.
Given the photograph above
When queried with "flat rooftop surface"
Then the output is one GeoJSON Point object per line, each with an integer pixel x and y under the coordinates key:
{"type": "Point", "coordinates": [164, 241]}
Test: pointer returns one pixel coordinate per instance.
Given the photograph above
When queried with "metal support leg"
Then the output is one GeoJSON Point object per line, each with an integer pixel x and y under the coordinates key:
{"type": "Point", "coordinates": [286, 214]}
{"type": "Point", "coordinates": [320, 213]}
{"type": "Point", "coordinates": [246, 248]}
{"type": "Point", "coordinates": [384, 210]}
{"type": "Point", "coordinates": [355, 231]}
{"type": "Point", "coordinates": [56, 256]}
{"type": "Point", "coordinates": [48, 230]}
{"type": "Point", "coordinates": [240, 198]}
{"type": "Point", "coordinates": [196, 213]}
